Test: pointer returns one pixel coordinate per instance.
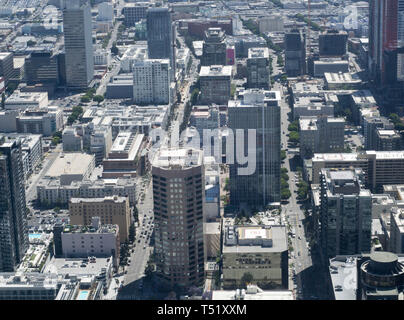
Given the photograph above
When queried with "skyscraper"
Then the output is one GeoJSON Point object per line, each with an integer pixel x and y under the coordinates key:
{"type": "Point", "coordinates": [13, 211]}
{"type": "Point", "coordinates": [295, 53]}
{"type": "Point", "coordinates": [346, 212]}
{"type": "Point", "coordinates": [178, 195]}
{"type": "Point", "coordinates": [160, 35]}
{"type": "Point", "coordinates": [214, 48]}
{"type": "Point", "coordinates": [259, 110]}
{"type": "Point", "coordinates": [386, 47]}
{"type": "Point", "coordinates": [79, 58]}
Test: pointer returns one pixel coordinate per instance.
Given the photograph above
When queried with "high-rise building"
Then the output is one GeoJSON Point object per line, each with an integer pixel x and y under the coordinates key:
{"type": "Point", "coordinates": [13, 210]}
{"type": "Point", "coordinates": [214, 48]}
{"type": "Point", "coordinates": [258, 68]}
{"type": "Point", "coordinates": [79, 58]}
{"type": "Point", "coordinates": [320, 135]}
{"type": "Point", "coordinates": [386, 47]}
{"type": "Point", "coordinates": [161, 35]}
{"type": "Point", "coordinates": [178, 194]}
{"type": "Point", "coordinates": [42, 67]}
{"type": "Point", "coordinates": [134, 12]}
{"type": "Point", "coordinates": [295, 53]}
{"type": "Point", "coordinates": [6, 66]}
{"type": "Point", "coordinates": [151, 81]}
{"type": "Point", "coordinates": [215, 84]}
{"type": "Point", "coordinates": [259, 110]}
{"type": "Point", "coordinates": [345, 213]}
{"type": "Point", "coordinates": [333, 43]}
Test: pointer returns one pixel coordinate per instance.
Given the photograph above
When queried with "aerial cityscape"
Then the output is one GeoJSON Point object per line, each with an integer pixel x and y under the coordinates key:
{"type": "Point", "coordinates": [201, 150]}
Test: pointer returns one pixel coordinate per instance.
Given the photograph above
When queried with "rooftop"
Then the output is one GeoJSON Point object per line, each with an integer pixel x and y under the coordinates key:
{"type": "Point", "coordinates": [212, 71]}
{"type": "Point", "coordinates": [70, 163]}
{"type": "Point", "coordinates": [167, 158]}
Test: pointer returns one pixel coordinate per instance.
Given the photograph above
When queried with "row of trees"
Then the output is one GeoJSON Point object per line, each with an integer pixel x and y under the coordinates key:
{"type": "Point", "coordinates": [285, 191]}
{"type": "Point", "coordinates": [77, 112]}
{"type": "Point", "coordinates": [294, 132]}
{"type": "Point", "coordinates": [312, 24]}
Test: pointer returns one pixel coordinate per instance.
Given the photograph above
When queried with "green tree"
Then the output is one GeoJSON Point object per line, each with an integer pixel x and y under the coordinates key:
{"type": "Point", "coordinates": [294, 126]}
{"type": "Point", "coordinates": [247, 278]}
{"type": "Point", "coordinates": [85, 99]}
{"type": "Point", "coordinates": [114, 49]}
{"type": "Point", "coordinates": [132, 233]}
{"type": "Point", "coordinates": [283, 155]}
{"type": "Point", "coordinates": [98, 98]}
{"type": "Point", "coordinates": [294, 137]}
{"type": "Point", "coordinates": [285, 194]}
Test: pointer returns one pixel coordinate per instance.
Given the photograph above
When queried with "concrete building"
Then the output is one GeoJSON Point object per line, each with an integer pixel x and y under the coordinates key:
{"type": "Point", "coordinates": [72, 141]}
{"type": "Point", "coordinates": [380, 167]}
{"type": "Point", "coordinates": [261, 251]}
{"type": "Point", "coordinates": [342, 81]}
{"type": "Point", "coordinates": [321, 133]}
{"type": "Point", "coordinates": [96, 240]}
{"type": "Point", "coordinates": [24, 100]}
{"type": "Point", "coordinates": [396, 243]}
{"type": "Point", "coordinates": [178, 193]}
{"type": "Point", "coordinates": [211, 234]}
{"type": "Point", "coordinates": [38, 121]}
{"type": "Point", "coordinates": [105, 12]}
{"type": "Point", "coordinates": [258, 68]}
{"type": "Point", "coordinates": [51, 192]}
{"type": "Point", "coordinates": [69, 167]}
{"type": "Point", "coordinates": [13, 210]}
{"type": "Point", "coordinates": [259, 110]}
{"type": "Point", "coordinates": [345, 213]}
{"type": "Point", "coordinates": [215, 83]}
{"type": "Point", "coordinates": [28, 286]}
{"type": "Point", "coordinates": [110, 210]}
{"type": "Point", "coordinates": [214, 48]}
{"type": "Point", "coordinates": [123, 157]}
{"type": "Point", "coordinates": [77, 28]}
{"type": "Point", "coordinates": [371, 124]}
{"type": "Point", "coordinates": [6, 66]}
{"type": "Point", "coordinates": [295, 53]}
{"type": "Point", "coordinates": [387, 140]}
{"type": "Point", "coordinates": [151, 81]}
{"type": "Point", "coordinates": [330, 65]}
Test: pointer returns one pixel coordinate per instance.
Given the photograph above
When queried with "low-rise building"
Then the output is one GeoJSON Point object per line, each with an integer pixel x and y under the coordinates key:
{"type": "Point", "coordinates": [50, 191]}
{"type": "Point", "coordinates": [97, 240]}
{"type": "Point", "coordinates": [261, 251]}
{"type": "Point", "coordinates": [24, 100]}
{"type": "Point", "coordinates": [110, 210]}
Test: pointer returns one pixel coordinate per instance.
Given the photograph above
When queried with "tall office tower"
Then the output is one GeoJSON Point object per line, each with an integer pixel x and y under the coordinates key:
{"type": "Point", "coordinates": [259, 110]}
{"type": "Point", "coordinates": [161, 35]}
{"type": "Point", "coordinates": [42, 67]}
{"type": "Point", "coordinates": [151, 81]}
{"type": "Point", "coordinates": [214, 47]}
{"type": "Point", "coordinates": [345, 212]}
{"type": "Point", "coordinates": [6, 66]}
{"type": "Point", "coordinates": [13, 210]}
{"type": "Point", "coordinates": [386, 48]}
{"type": "Point", "coordinates": [333, 43]}
{"type": "Point", "coordinates": [295, 53]}
{"type": "Point", "coordinates": [258, 68]}
{"type": "Point", "coordinates": [134, 12]}
{"type": "Point", "coordinates": [79, 58]}
{"type": "Point", "coordinates": [178, 195]}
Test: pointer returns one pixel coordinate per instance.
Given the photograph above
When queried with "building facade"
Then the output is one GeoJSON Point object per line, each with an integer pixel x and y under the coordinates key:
{"type": "Point", "coordinates": [178, 194]}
